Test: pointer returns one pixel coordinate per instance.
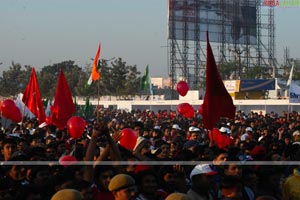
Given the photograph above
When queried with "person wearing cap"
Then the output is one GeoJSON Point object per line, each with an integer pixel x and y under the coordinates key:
{"type": "Point", "coordinates": [175, 130]}
{"type": "Point", "coordinates": [67, 194]}
{"type": "Point", "coordinates": [156, 133]}
{"type": "Point", "coordinates": [296, 137]}
{"type": "Point", "coordinates": [291, 185]}
{"type": "Point", "coordinates": [247, 136]}
{"type": "Point", "coordinates": [202, 181]}
{"type": "Point", "coordinates": [123, 187]}
{"type": "Point", "coordinates": [178, 196]}
{"type": "Point", "coordinates": [194, 133]}
{"type": "Point", "coordinates": [142, 148]}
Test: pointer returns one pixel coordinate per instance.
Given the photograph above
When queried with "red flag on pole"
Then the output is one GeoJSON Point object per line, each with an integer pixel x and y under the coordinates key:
{"type": "Point", "coordinates": [63, 107]}
{"type": "Point", "coordinates": [32, 98]}
{"type": "Point", "coordinates": [95, 72]}
{"type": "Point", "coordinates": [217, 101]}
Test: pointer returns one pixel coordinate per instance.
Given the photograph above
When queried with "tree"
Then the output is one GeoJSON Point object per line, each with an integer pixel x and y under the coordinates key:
{"type": "Point", "coordinates": [14, 80]}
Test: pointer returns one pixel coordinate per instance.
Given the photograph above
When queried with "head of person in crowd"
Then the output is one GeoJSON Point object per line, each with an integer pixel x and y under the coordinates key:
{"type": "Point", "coordinates": [50, 151]}
{"type": "Point", "coordinates": [138, 127]}
{"type": "Point", "coordinates": [247, 135]}
{"type": "Point", "coordinates": [123, 187]}
{"type": "Point", "coordinates": [147, 183]}
{"type": "Point", "coordinates": [8, 147]}
{"type": "Point", "coordinates": [23, 144]}
{"type": "Point", "coordinates": [194, 133]}
{"type": "Point", "coordinates": [15, 174]}
{"type": "Point", "coordinates": [258, 153]}
{"type": "Point", "coordinates": [103, 175]}
{"type": "Point", "coordinates": [84, 187]}
{"type": "Point", "coordinates": [166, 131]}
{"type": "Point", "coordinates": [147, 132]}
{"type": "Point", "coordinates": [40, 177]}
{"type": "Point", "coordinates": [175, 131]}
{"type": "Point", "coordinates": [163, 149]}
{"type": "Point", "coordinates": [177, 196]}
{"type": "Point", "coordinates": [167, 181]}
{"type": "Point", "coordinates": [192, 145]}
{"type": "Point", "coordinates": [202, 181]}
{"type": "Point", "coordinates": [225, 130]}
{"type": "Point", "coordinates": [156, 133]}
{"type": "Point", "coordinates": [67, 194]}
{"type": "Point", "coordinates": [233, 170]}
{"type": "Point", "coordinates": [231, 188]}
{"type": "Point", "coordinates": [142, 146]}
{"type": "Point", "coordinates": [219, 155]}
{"type": "Point", "coordinates": [61, 148]}
{"type": "Point", "coordinates": [296, 136]}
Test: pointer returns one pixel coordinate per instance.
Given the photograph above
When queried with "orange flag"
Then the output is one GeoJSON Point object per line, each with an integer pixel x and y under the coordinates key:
{"type": "Point", "coordinates": [217, 101]}
{"type": "Point", "coordinates": [63, 107]}
{"type": "Point", "coordinates": [32, 98]}
{"type": "Point", "coordinates": [95, 72]}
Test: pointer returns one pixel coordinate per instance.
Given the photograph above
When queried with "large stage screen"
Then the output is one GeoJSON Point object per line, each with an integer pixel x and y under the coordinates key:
{"type": "Point", "coordinates": [232, 21]}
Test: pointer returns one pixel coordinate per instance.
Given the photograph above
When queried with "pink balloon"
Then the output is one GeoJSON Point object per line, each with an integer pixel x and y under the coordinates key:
{"type": "Point", "coordinates": [67, 160]}
{"type": "Point", "coordinates": [182, 88]}
{"type": "Point", "coordinates": [128, 138]}
{"type": "Point", "coordinates": [76, 126]}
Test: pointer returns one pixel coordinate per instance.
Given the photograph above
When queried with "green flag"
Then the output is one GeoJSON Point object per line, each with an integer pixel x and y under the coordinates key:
{"type": "Point", "coordinates": [87, 108]}
{"type": "Point", "coordinates": [145, 82]}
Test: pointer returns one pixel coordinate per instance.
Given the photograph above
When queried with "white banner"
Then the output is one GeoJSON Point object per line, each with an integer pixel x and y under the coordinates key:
{"type": "Point", "coordinates": [294, 93]}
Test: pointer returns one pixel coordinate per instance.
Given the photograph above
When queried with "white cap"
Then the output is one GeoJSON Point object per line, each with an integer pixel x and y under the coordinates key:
{"type": "Point", "coordinates": [223, 129]}
{"type": "Point", "coordinates": [202, 169]}
{"type": "Point", "coordinates": [296, 133]}
{"type": "Point", "coordinates": [156, 127]}
{"type": "Point", "coordinates": [249, 129]}
{"type": "Point", "coordinates": [176, 126]}
{"type": "Point", "coordinates": [244, 136]}
{"type": "Point", "coordinates": [193, 129]}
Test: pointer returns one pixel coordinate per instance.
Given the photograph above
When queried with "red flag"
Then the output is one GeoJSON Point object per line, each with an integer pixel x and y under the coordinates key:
{"type": "Point", "coordinates": [63, 107]}
{"type": "Point", "coordinates": [217, 102]}
{"type": "Point", "coordinates": [32, 98]}
{"type": "Point", "coordinates": [95, 72]}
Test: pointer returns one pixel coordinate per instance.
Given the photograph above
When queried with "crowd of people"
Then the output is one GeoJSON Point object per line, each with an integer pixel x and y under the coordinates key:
{"type": "Point", "coordinates": [253, 156]}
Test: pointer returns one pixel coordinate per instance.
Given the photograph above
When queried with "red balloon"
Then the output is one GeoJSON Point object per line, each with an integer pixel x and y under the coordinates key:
{"type": "Point", "coordinates": [128, 138]}
{"type": "Point", "coordinates": [200, 109]}
{"type": "Point", "coordinates": [190, 113]}
{"type": "Point", "coordinates": [76, 126]}
{"type": "Point", "coordinates": [7, 107]}
{"type": "Point", "coordinates": [15, 115]}
{"type": "Point", "coordinates": [182, 88]}
{"type": "Point", "coordinates": [67, 160]}
{"type": "Point", "coordinates": [183, 108]}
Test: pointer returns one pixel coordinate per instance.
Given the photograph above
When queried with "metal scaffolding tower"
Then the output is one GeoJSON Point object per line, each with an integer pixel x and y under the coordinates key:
{"type": "Point", "coordinates": [235, 38]}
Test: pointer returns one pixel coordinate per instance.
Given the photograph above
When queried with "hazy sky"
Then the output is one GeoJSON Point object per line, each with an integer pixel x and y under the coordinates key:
{"type": "Point", "coordinates": [43, 32]}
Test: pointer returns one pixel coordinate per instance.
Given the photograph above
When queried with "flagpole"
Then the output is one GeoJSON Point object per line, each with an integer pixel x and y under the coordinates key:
{"type": "Point", "coordinates": [98, 101]}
